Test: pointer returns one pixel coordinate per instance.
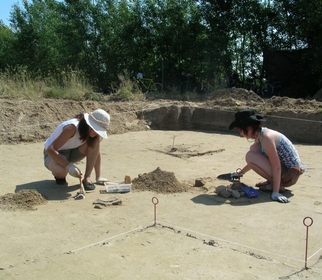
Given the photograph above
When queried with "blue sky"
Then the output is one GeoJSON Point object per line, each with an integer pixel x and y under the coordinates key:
{"type": "Point", "coordinates": [6, 7]}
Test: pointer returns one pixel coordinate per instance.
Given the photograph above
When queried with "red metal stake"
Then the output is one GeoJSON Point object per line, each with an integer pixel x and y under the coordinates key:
{"type": "Point", "coordinates": [155, 201]}
{"type": "Point", "coordinates": [307, 236]}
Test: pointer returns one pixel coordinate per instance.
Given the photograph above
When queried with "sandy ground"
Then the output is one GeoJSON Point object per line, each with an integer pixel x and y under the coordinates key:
{"type": "Point", "coordinates": [192, 235]}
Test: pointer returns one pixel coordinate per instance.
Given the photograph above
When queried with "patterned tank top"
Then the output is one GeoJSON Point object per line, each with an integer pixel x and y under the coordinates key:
{"type": "Point", "coordinates": [286, 151]}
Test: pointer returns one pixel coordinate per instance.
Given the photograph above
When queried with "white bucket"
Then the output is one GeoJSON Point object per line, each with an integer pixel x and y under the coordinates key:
{"type": "Point", "coordinates": [118, 188]}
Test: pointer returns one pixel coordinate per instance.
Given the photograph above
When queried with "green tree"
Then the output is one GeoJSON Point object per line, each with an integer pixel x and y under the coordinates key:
{"type": "Point", "coordinates": [37, 44]}
{"type": "Point", "coordinates": [173, 37]}
{"type": "Point", "coordinates": [6, 46]}
{"type": "Point", "coordinates": [308, 31]}
{"type": "Point", "coordinates": [77, 34]}
{"type": "Point", "coordinates": [162, 38]}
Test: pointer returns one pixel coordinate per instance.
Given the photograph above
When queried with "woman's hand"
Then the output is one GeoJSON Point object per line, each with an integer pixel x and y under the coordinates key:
{"type": "Point", "coordinates": [279, 197]}
{"type": "Point", "coordinates": [74, 171]}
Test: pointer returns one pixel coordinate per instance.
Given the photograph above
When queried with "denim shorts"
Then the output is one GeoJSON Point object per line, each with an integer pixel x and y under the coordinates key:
{"type": "Point", "coordinates": [73, 156]}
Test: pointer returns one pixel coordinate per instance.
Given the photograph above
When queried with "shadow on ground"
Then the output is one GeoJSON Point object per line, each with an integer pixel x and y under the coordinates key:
{"type": "Point", "coordinates": [49, 189]}
{"type": "Point", "coordinates": [215, 200]}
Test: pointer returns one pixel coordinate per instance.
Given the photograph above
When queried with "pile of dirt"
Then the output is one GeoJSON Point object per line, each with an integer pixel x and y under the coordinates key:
{"type": "Point", "coordinates": [158, 181]}
{"type": "Point", "coordinates": [238, 98]}
{"type": "Point", "coordinates": [291, 104]}
{"type": "Point", "coordinates": [235, 94]}
{"type": "Point", "coordinates": [22, 200]}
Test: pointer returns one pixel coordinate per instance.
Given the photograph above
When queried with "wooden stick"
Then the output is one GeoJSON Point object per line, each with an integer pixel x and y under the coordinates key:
{"type": "Point", "coordinates": [81, 187]}
{"type": "Point", "coordinates": [174, 137]}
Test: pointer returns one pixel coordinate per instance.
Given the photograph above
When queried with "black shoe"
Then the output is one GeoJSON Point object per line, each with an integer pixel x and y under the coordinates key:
{"type": "Point", "coordinates": [88, 187]}
{"type": "Point", "coordinates": [60, 181]}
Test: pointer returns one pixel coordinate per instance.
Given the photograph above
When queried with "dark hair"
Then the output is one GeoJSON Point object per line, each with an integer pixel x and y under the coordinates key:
{"type": "Point", "coordinates": [256, 126]}
{"type": "Point", "coordinates": [83, 129]}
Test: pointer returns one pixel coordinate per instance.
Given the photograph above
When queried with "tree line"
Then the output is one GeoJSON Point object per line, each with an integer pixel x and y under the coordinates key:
{"type": "Point", "coordinates": [167, 40]}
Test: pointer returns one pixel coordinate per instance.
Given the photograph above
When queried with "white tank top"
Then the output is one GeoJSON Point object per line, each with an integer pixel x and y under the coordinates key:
{"type": "Point", "coordinates": [72, 143]}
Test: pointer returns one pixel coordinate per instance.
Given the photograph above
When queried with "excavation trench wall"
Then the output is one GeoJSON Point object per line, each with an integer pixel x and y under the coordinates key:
{"type": "Point", "coordinates": [303, 128]}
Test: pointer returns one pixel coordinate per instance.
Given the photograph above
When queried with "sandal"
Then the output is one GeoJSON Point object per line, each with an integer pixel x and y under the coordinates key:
{"type": "Point", "coordinates": [267, 187]}
{"type": "Point", "coordinates": [101, 181]}
{"type": "Point", "coordinates": [262, 184]}
{"type": "Point", "coordinates": [89, 187]}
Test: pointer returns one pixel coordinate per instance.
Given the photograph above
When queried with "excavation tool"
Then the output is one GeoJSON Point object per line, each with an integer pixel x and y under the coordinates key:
{"type": "Point", "coordinates": [81, 193]}
{"type": "Point", "coordinates": [233, 177]}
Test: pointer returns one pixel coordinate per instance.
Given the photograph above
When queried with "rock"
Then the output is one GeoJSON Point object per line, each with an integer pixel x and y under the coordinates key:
{"type": "Point", "coordinates": [235, 193]}
{"type": "Point", "coordinates": [220, 188]}
{"type": "Point", "coordinates": [199, 183]}
{"type": "Point", "coordinates": [223, 191]}
{"type": "Point", "coordinates": [235, 186]}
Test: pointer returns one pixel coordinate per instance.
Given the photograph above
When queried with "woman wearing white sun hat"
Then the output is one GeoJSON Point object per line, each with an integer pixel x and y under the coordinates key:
{"type": "Point", "coordinates": [74, 140]}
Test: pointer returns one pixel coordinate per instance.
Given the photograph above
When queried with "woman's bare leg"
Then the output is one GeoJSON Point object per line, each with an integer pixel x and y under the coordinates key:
{"type": "Point", "coordinates": [258, 162]}
{"type": "Point", "coordinates": [57, 170]}
{"type": "Point", "coordinates": [92, 155]}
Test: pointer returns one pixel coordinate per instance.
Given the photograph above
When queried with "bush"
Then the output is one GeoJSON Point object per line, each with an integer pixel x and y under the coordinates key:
{"type": "Point", "coordinates": [126, 90]}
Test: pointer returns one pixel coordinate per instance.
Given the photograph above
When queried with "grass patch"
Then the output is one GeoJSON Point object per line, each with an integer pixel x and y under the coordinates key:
{"type": "Point", "coordinates": [73, 85]}
{"type": "Point", "coordinates": [126, 90]}
{"type": "Point", "coordinates": [19, 84]}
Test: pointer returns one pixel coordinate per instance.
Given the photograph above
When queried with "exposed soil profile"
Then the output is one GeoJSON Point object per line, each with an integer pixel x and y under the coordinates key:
{"type": "Point", "coordinates": [31, 121]}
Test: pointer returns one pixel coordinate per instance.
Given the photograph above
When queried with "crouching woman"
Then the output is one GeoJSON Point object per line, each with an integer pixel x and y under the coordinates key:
{"type": "Point", "coordinates": [272, 155]}
{"type": "Point", "coordinates": [74, 140]}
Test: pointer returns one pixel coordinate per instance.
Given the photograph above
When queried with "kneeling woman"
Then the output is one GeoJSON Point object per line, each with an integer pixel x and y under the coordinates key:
{"type": "Point", "coordinates": [272, 155]}
{"type": "Point", "coordinates": [74, 140]}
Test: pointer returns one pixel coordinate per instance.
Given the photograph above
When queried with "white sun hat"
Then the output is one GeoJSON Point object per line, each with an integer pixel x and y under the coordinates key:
{"type": "Point", "coordinates": [99, 121]}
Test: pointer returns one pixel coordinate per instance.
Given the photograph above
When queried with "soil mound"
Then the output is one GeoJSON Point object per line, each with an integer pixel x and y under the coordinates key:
{"type": "Point", "coordinates": [158, 181]}
{"type": "Point", "coordinates": [236, 94]}
{"type": "Point", "coordinates": [22, 200]}
{"type": "Point", "coordinates": [291, 104]}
